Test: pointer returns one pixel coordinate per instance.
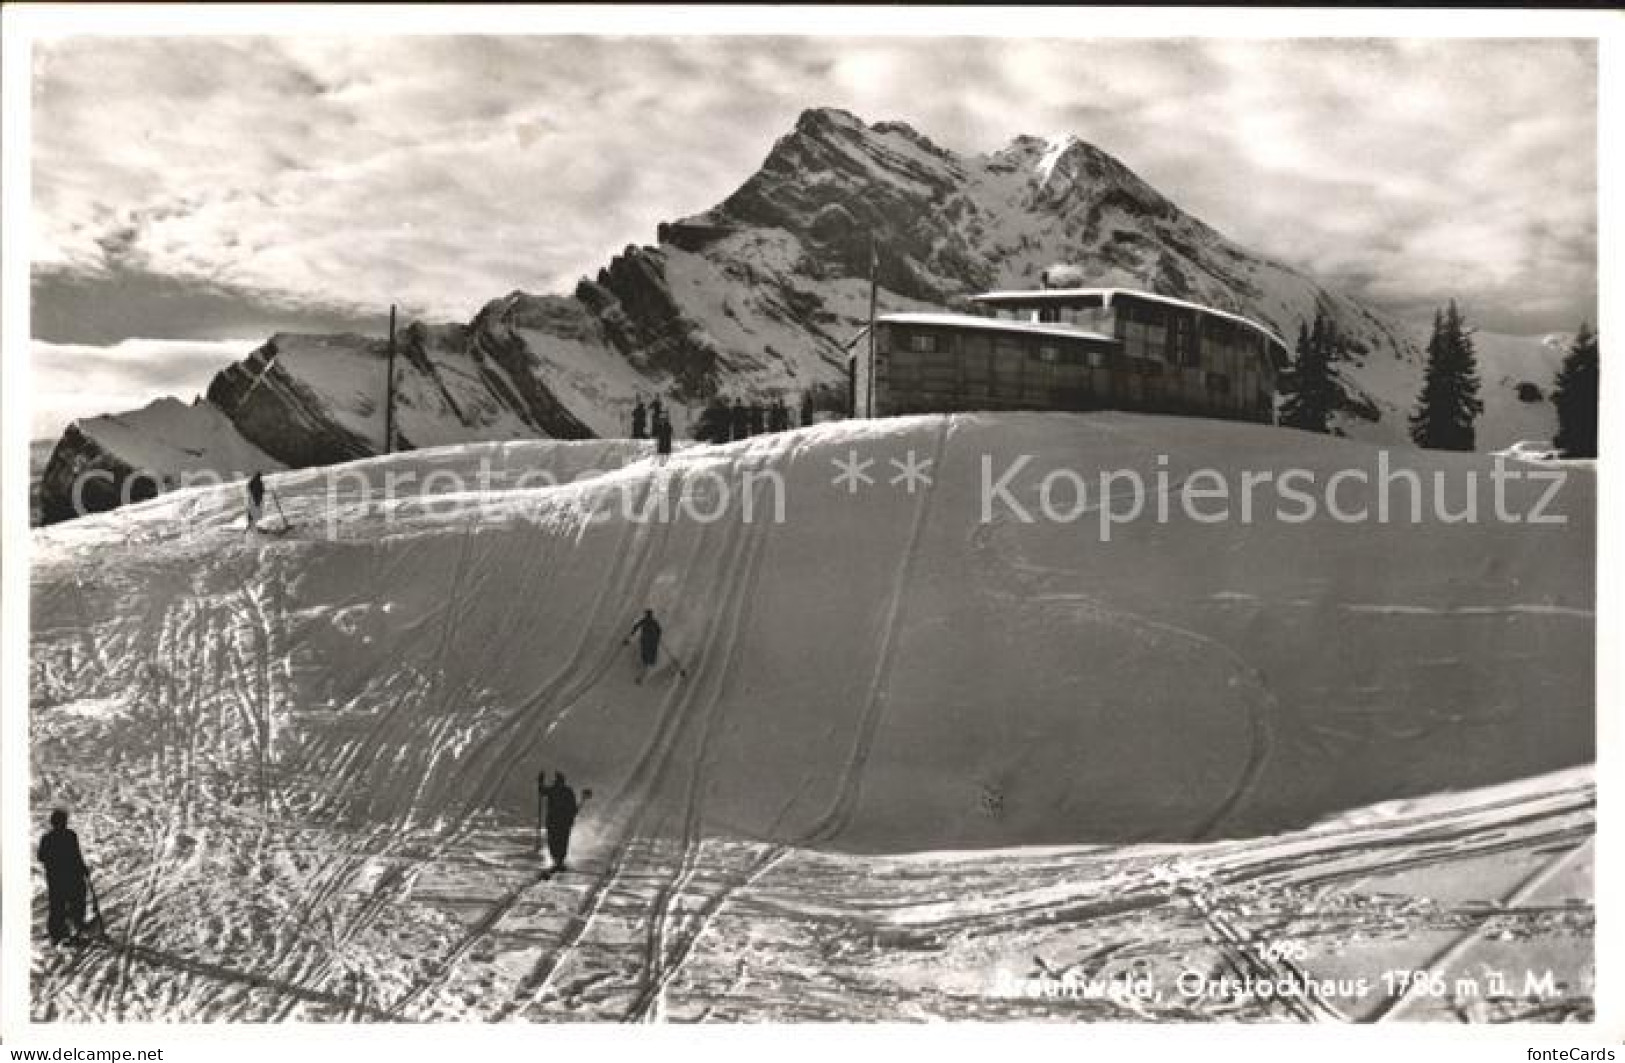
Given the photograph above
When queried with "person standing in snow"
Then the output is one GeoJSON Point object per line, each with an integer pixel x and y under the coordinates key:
{"type": "Point", "coordinates": [639, 420]}
{"type": "Point", "coordinates": [65, 878]}
{"type": "Point", "coordinates": [663, 437]}
{"type": "Point", "coordinates": [560, 807]}
{"type": "Point", "coordinates": [256, 501]}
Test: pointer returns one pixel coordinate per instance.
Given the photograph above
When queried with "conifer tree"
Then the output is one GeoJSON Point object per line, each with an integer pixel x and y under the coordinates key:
{"type": "Point", "coordinates": [712, 425]}
{"type": "Point", "coordinates": [1576, 397]}
{"type": "Point", "coordinates": [1449, 404]}
{"type": "Point", "coordinates": [1309, 388]}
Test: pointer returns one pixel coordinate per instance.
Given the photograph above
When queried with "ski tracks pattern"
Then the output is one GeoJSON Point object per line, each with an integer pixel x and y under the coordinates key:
{"type": "Point", "coordinates": [739, 558]}
{"type": "Point", "coordinates": [662, 962]}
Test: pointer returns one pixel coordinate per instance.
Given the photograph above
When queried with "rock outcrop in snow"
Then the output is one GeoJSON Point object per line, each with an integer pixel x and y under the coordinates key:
{"type": "Point", "coordinates": [761, 295]}
{"type": "Point", "coordinates": [104, 462]}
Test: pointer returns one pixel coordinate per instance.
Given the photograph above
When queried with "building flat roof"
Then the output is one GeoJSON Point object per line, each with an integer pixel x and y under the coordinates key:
{"type": "Point", "coordinates": [989, 324]}
{"type": "Point", "coordinates": [1105, 295]}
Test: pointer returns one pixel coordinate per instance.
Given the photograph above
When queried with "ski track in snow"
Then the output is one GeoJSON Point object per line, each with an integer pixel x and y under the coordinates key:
{"type": "Point", "coordinates": [661, 965]}
{"type": "Point", "coordinates": [565, 689]}
{"type": "Point", "coordinates": [1397, 1005]}
{"type": "Point", "coordinates": [840, 812]}
{"type": "Point", "coordinates": [643, 784]}
{"type": "Point", "coordinates": [659, 969]}
{"type": "Point", "coordinates": [560, 694]}
{"type": "Point", "coordinates": [667, 921]}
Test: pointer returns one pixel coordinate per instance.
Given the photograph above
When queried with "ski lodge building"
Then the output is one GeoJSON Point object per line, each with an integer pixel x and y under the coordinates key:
{"type": "Point", "coordinates": [1070, 349]}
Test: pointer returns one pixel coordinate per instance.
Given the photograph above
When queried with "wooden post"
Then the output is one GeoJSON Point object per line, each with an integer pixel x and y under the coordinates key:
{"type": "Point", "coordinates": [389, 389]}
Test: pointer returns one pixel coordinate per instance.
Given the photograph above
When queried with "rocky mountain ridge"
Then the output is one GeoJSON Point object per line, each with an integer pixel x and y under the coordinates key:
{"type": "Point", "coordinates": [758, 296]}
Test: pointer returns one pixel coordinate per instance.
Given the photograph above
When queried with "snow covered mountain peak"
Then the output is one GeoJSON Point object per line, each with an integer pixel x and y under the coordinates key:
{"type": "Point", "coordinates": [1054, 148]}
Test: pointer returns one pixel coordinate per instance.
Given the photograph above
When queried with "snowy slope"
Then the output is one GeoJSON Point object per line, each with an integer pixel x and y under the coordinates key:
{"type": "Point", "coordinates": [322, 746]}
{"type": "Point", "coordinates": [341, 928]}
{"type": "Point", "coordinates": [1319, 666]}
{"type": "Point", "coordinates": [1504, 362]}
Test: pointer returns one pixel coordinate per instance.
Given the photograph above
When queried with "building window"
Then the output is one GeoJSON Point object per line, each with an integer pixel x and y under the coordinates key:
{"type": "Point", "coordinates": [1134, 338]}
{"type": "Point", "coordinates": [1048, 353]}
{"type": "Point", "coordinates": [1049, 315]}
{"type": "Point", "coordinates": [1184, 342]}
{"type": "Point", "coordinates": [1156, 339]}
{"type": "Point", "coordinates": [1097, 359]}
{"type": "Point", "coordinates": [924, 343]}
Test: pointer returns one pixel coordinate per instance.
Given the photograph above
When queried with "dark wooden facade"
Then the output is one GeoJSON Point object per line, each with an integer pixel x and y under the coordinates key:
{"type": "Point", "coordinates": [1079, 349]}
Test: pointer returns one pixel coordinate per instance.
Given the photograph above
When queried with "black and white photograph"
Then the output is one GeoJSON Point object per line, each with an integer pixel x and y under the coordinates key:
{"type": "Point", "coordinates": [880, 516]}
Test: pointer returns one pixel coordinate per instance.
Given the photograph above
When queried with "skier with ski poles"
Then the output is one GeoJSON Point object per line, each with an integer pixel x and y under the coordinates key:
{"type": "Point", "coordinates": [556, 809]}
{"type": "Point", "coordinates": [256, 501]}
{"type": "Point", "coordinates": [66, 878]}
{"type": "Point", "coordinates": [647, 628]}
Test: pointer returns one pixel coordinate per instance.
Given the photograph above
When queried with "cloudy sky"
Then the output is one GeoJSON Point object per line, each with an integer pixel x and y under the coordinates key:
{"type": "Point", "coordinates": [213, 189]}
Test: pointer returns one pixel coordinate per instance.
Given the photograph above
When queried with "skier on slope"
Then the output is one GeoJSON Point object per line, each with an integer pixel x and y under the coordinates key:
{"type": "Point", "coordinates": [560, 807]}
{"type": "Point", "coordinates": [647, 629]}
{"type": "Point", "coordinates": [256, 501]}
{"type": "Point", "coordinates": [65, 878]}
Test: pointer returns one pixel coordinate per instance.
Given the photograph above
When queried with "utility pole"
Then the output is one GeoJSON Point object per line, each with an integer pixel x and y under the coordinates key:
{"type": "Point", "coordinates": [874, 287]}
{"type": "Point", "coordinates": [389, 389]}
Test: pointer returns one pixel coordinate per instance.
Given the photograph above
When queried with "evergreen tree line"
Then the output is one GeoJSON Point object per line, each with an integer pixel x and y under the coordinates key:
{"type": "Point", "coordinates": [728, 419]}
{"type": "Point", "coordinates": [725, 419]}
{"type": "Point", "coordinates": [1448, 407]}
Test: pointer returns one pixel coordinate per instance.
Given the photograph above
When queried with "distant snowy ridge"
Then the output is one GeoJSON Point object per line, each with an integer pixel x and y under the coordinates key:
{"type": "Point", "coordinates": [103, 461]}
{"type": "Point", "coordinates": [761, 296]}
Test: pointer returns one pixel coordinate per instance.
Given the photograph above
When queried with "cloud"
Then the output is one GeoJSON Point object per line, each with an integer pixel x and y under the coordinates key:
{"type": "Point", "coordinates": [115, 301]}
{"type": "Point", "coordinates": [71, 381]}
{"type": "Point", "coordinates": [439, 172]}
